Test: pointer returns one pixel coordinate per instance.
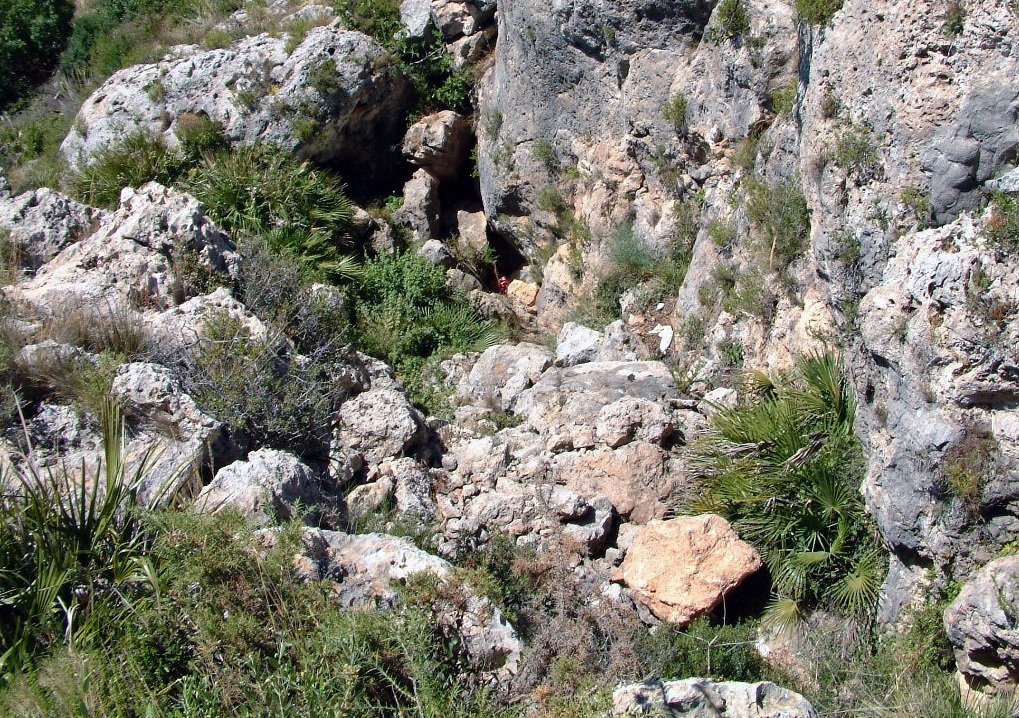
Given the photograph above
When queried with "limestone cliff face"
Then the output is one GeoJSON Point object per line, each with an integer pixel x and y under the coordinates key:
{"type": "Point", "coordinates": [885, 122]}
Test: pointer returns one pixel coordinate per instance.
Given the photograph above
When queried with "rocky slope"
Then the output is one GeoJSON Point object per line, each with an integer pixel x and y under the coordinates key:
{"type": "Point", "coordinates": [824, 185]}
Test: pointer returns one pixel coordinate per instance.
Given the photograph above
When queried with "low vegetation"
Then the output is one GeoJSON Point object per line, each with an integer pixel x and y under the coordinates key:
{"type": "Point", "coordinates": [817, 12]}
{"type": "Point", "coordinates": [1003, 227]}
{"type": "Point", "coordinates": [32, 35]}
{"type": "Point", "coordinates": [733, 21]}
{"type": "Point", "coordinates": [785, 468]}
{"type": "Point", "coordinates": [780, 216]}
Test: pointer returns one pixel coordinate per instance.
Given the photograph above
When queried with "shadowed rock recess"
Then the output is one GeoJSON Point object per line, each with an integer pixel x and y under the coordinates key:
{"type": "Point", "coordinates": [510, 357]}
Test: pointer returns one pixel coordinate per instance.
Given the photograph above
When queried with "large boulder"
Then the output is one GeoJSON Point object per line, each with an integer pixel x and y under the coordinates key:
{"type": "Point", "coordinates": [439, 143]}
{"type": "Point", "coordinates": [177, 440]}
{"type": "Point", "coordinates": [503, 372]}
{"type": "Point", "coordinates": [683, 568]}
{"type": "Point", "coordinates": [704, 698]}
{"type": "Point", "coordinates": [379, 424]}
{"type": "Point", "coordinates": [335, 98]}
{"type": "Point", "coordinates": [983, 625]}
{"type": "Point", "coordinates": [263, 488]}
{"type": "Point", "coordinates": [131, 261]}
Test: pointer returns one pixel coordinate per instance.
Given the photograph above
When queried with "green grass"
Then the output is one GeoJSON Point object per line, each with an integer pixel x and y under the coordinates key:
{"type": "Point", "coordinates": [1003, 226]}
{"type": "Point", "coordinates": [817, 12]}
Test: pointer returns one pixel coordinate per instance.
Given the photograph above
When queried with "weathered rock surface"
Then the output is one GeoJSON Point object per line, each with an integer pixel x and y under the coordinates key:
{"type": "Point", "coordinates": [335, 79]}
{"type": "Point", "coordinates": [129, 261]}
{"type": "Point", "coordinates": [263, 488]}
{"type": "Point", "coordinates": [684, 567]}
{"type": "Point", "coordinates": [420, 209]}
{"type": "Point", "coordinates": [983, 625]}
{"type": "Point", "coordinates": [439, 143]}
{"type": "Point", "coordinates": [42, 222]}
{"type": "Point", "coordinates": [703, 698]}
{"type": "Point", "coordinates": [379, 424]}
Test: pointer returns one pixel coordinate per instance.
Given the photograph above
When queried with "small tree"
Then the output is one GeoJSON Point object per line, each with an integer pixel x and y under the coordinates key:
{"type": "Point", "coordinates": [32, 34]}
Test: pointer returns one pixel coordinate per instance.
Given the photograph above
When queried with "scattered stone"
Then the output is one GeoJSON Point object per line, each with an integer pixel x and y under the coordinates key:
{"type": "Point", "coordinates": [263, 488]}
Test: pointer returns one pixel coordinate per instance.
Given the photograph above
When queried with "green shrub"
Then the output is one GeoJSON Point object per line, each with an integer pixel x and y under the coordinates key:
{"type": "Point", "coordinates": [265, 191]}
{"type": "Point", "coordinates": [68, 539]}
{"type": "Point", "coordinates": [544, 152]}
{"type": "Point", "coordinates": [1003, 226]}
{"type": "Point", "coordinates": [265, 395]}
{"type": "Point", "coordinates": [437, 83]}
{"type": "Point", "coordinates": [855, 151]}
{"type": "Point", "coordinates": [779, 212]}
{"type": "Point", "coordinates": [403, 313]}
{"type": "Point", "coordinates": [723, 652]}
{"type": "Point", "coordinates": [674, 111]}
{"type": "Point", "coordinates": [733, 21]}
{"type": "Point", "coordinates": [785, 467]}
{"type": "Point", "coordinates": [783, 99]}
{"type": "Point", "coordinates": [817, 12]}
{"type": "Point", "coordinates": [32, 34]}
{"type": "Point", "coordinates": [955, 17]}
{"type": "Point", "coordinates": [919, 203]}
{"type": "Point", "coordinates": [969, 465]}
{"type": "Point", "coordinates": [225, 626]}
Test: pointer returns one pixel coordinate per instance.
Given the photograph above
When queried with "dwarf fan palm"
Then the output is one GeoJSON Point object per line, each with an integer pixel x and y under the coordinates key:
{"type": "Point", "coordinates": [785, 468]}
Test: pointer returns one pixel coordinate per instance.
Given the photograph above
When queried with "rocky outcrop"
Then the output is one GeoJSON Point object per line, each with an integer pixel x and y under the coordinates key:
{"type": "Point", "coordinates": [983, 625]}
{"type": "Point", "coordinates": [379, 424]}
{"type": "Point", "coordinates": [703, 698]}
{"type": "Point", "coordinates": [439, 143]}
{"type": "Point", "coordinates": [334, 98]}
{"type": "Point", "coordinates": [41, 223]}
{"type": "Point", "coordinates": [683, 568]}
{"type": "Point", "coordinates": [263, 488]}
{"type": "Point", "coordinates": [129, 262]}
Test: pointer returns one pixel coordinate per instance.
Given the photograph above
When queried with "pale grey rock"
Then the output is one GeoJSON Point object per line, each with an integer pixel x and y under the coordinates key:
{"type": "Point", "coordinates": [416, 18]}
{"type": "Point", "coordinates": [128, 263]}
{"type": "Point", "coordinates": [420, 209]}
{"type": "Point", "coordinates": [257, 92]}
{"type": "Point", "coordinates": [184, 326]}
{"type": "Point", "coordinates": [439, 143]}
{"type": "Point", "coordinates": [369, 498]}
{"type": "Point", "coordinates": [564, 404]}
{"type": "Point", "coordinates": [435, 252]}
{"type": "Point", "coordinates": [576, 344]}
{"type": "Point", "coordinates": [379, 424]}
{"type": "Point", "coordinates": [263, 488]}
{"type": "Point", "coordinates": [591, 530]}
{"type": "Point", "coordinates": [630, 419]}
{"type": "Point", "coordinates": [1008, 182]}
{"type": "Point", "coordinates": [503, 372]}
{"type": "Point", "coordinates": [180, 441]}
{"type": "Point", "coordinates": [44, 360]}
{"type": "Point", "coordinates": [5, 188]}
{"type": "Point", "coordinates": [983, 625]}
{"type": "Point", "coordinates": [412, 487]}
{"type": "Point", "coordinates": [704, 698]}
{"type": "Point", "coordinates": [42, 222]}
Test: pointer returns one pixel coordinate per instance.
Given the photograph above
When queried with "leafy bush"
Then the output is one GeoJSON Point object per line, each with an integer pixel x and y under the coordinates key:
{"type": "Point", "coordinates": [265, 395]}
{"type": "Point", "coordinates": [779, 212]}
{"type": "Point", "coordinates": [785, 468]}
{"type": "Point", "coordinates": [224, 626]}
{"type": "Point", "coordinates": [817, 12]}
{"type": "Point", "coordinates": [438, 84]}
{"type": "Point", "coordinates": [32, 34]}
{"type": "Point", "coordinates": [855, 151]}
{"type": "Point", "coordinates": [264, 191]}
{"type": "Point", "coordinates": [733, 21]}
{"type": "Point", "coordinates": [674, 111]}
{"type": "Point", "coordinates": [139, 159]}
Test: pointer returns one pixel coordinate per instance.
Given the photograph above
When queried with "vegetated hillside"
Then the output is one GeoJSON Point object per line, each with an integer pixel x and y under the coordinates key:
{"type": "Point", "coordinates": [516, 358]}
